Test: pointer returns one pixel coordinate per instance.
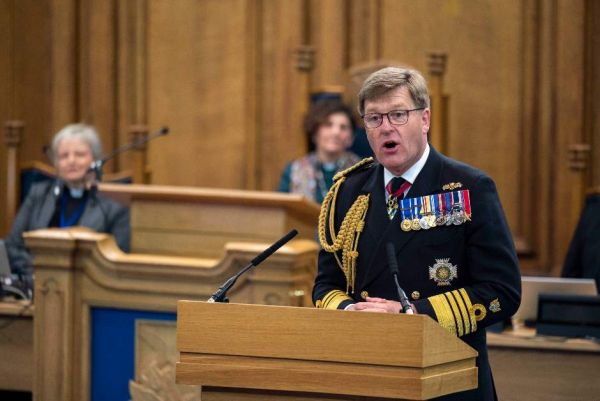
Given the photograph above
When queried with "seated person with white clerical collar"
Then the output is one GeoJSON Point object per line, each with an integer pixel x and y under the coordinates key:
{"type": "Point", "coordinates": [68, 201]}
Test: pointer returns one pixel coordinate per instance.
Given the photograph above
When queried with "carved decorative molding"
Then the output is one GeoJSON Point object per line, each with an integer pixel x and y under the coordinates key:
{"type": "Point", "coordinates": [138, 134]}
{"type": "Point", "coordinates": [436, 63]}
{"type": "Point", "coordinates": [156, 355]}
{"type": "Point", "coordinates": [51, 286]}
{"type": "Point", "coordinates": [13, 132]}
{"type": "Point", "coordinates": [578, 156]}
{"type": "Point", "coordinates": [305, 57]}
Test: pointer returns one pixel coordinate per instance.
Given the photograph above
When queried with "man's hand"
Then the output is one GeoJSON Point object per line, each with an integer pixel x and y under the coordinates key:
{"type": "Point", "coordinates": [379, 305]}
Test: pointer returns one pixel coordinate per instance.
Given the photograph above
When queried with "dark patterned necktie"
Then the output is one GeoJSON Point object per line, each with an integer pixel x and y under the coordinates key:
{"type": "Point", "coordinates": [395, 189]}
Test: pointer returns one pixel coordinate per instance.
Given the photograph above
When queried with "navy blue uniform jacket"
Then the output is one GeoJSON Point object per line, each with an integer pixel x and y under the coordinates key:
{"type": "Point", "coordinates": [487, 286]}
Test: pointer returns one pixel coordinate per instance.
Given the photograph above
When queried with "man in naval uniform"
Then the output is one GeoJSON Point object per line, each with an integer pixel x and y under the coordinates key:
{"type": "Point", "coordinates": [455, 253]}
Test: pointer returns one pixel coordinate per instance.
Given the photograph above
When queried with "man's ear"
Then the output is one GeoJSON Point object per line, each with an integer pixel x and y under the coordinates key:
{"type": "Point", "coordinates": [426, 120]}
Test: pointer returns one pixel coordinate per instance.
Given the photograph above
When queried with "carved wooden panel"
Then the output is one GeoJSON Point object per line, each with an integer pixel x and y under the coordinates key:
{"type": "Point", "coordinates": [200, 77]}
{"type": "Point", "coordinates": [282, 89]}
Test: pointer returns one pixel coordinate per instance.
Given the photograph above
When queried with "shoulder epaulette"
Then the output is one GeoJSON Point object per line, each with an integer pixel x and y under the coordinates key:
{"type": "Point", "coordinates": [368, 161]}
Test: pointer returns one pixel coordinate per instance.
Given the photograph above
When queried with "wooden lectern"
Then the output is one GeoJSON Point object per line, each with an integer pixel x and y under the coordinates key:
{"type": "Point", "coordinates": [199, 222]}
{"type": "Point", "coordinates": [256, 352]}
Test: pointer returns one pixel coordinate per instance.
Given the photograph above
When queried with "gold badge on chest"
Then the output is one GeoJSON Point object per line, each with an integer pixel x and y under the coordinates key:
{"type": "Point", "coordinates": [443, 272]}
{"type": "Point", "coordinates": [451, 186]}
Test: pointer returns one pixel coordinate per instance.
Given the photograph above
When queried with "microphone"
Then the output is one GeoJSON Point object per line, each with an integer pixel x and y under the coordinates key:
{"type": "Point", "coordinates": [97, 165]}
{"type": "Point", "coordinates": [391, 254]}
{"type": "Point", "coordinates": [221, 294]}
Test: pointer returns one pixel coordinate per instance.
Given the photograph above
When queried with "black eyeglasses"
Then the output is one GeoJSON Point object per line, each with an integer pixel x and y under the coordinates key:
{"type": "Point", "coordinates": [395, 117]}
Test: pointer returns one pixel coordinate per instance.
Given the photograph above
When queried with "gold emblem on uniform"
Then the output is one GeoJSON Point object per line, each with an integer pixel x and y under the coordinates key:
{"type": "Point", "coordinates": [495, 306]}
{"type": "Point", "coordinates": [442, 272]}
{"type": "Point", "coordinates": [478, 311]}
{"type": "Point", "coordinates": [319, 303]}
{"type": "Point", "coordinates": [451, 186]}
{"type": "Point", "coordinates": [364, 294]}
{"type": "Point", "coordinates": [415, 295]}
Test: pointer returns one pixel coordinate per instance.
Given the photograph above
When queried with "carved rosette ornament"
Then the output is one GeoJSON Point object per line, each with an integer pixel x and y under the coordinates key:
{"type": "Point", "coordinates": [13, 132]}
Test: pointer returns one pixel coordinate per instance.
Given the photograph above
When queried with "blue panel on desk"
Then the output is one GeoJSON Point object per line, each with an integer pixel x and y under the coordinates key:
{"type": "Point", "coordinates": [113, 350]}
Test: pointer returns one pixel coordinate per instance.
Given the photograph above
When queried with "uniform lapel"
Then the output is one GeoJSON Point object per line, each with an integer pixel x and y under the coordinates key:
{"type": "Point", "coordinates": [427, 182]}
{"type": "Point", "coordinates": [377, 223]}
{"type": "Point", "coordinates": [377, 219]}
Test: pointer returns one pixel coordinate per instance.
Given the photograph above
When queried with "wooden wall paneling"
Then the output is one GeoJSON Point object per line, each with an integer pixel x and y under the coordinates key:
{"type": "Point", "coordinates": [551, 119]}
{"type": "Point", "coordinates": [251, 149]}
{"type": "Point", "coordinates": [283, 87]}
{"type": "Point", "coordinates": [568, 182]}
{"type": "Point", "coordinates": [13, 136]}
{"type": "Point", "coordinates": [592, 88]}
{"type": "Point", "coordinates": [528, 217]}
{"type": "Point", "coordinates": [131, 75]}
{"type": "Point", "coordinates": [28, 80]}
{"type": "Point", "coordinates": [364, 31]}
{"type": "Point", "coordinates": [545, 169]}
{"type": "Point", "coordinates": [97, 63]}
{"type": "Point", "coordinates": [31, 101]}
{"type": "Point", "coordinates": [439, 101]}
{"type": "Point", "coordinates": [481, 40]}
{"type": "Point", "coordinates": [7, 88]}
{"type": "Point", "coordinates": [197, 86]}
{"type": "Point", "coordinates": [63, 63]}
{"type": "Point", "coordinates": [40, 77]}
{"type": "Point", "coordinates": [328, 35]}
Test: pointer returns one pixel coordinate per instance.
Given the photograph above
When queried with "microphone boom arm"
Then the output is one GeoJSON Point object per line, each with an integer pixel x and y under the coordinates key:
{"type": "Point", "coordinates": [97, 165]}
{"type": "Point", "coordinates": [221, 294]}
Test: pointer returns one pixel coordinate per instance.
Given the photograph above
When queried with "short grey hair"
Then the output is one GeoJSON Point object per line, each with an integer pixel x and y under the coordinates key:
{"type": "Point", "coordinates": [85, 132]}
{"type": "Point", "coordinates": [390, 78]}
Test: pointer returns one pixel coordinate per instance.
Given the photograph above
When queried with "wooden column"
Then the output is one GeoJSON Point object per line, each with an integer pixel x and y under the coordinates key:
{"type": "Point", "coordinates": [439, 102]}
{"type": "Point", "coordinates": [53, 333]}
{"type": "Point", "coordinates": [141, 174]}
{"type": "Point", "coordinates": [13, 135]}
{"type": "Point", "coordinates": [328, 36]}
{"type": "Point", "coordinates": [592, 86]}
{"type": "Point", "coordinates": [364, 34]}
{"type": "Point", "coordinates": [132, 95]}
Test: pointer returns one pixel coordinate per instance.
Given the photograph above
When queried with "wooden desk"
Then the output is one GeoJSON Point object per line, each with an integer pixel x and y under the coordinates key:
{"type": "Point", "coordinates": [16, 346]}
{"type": "Point", "coordinates": [532, 368]}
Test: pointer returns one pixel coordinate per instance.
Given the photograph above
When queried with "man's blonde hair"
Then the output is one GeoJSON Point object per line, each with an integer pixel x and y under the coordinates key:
{"type": "Point", "coordinates": [390, 78]}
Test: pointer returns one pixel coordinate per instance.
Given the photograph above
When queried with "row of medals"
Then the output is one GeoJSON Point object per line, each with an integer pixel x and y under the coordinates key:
{"type": "Point", "coordinates": [456, 216]}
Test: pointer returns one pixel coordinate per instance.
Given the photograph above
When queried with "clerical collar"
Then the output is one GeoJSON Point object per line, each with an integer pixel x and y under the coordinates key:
{"type": "Point", "coordinates": [76, 193]}
{"type": "Point", "coordinates": [411, 174]}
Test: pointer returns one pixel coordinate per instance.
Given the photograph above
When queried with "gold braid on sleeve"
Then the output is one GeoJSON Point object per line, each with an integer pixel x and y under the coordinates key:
{"type": "Point", "coordinates": [346, 239]}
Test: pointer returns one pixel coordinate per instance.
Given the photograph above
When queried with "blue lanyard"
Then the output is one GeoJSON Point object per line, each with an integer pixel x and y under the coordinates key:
{"type": "Point", "coordinates": [63, 221]}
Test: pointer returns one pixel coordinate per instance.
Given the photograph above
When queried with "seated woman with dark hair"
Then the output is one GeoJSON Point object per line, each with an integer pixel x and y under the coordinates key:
{"type": "Point", "coordinates": [68, 201]}
{"type": "Point", "coordinates": [330, 130]}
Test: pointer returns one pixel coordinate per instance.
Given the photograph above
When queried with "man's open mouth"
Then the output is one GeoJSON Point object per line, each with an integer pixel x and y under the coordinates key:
{"type": "Point", "coordinates": [390, 144]}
